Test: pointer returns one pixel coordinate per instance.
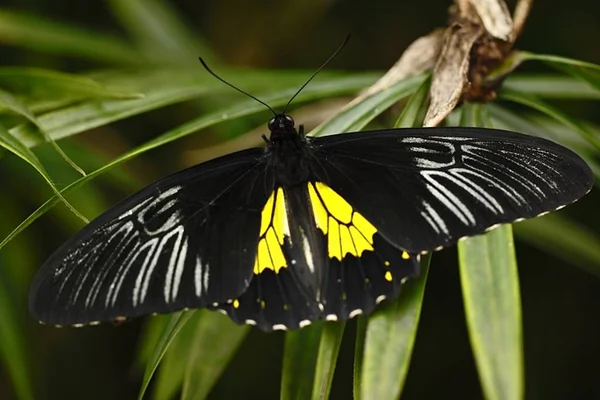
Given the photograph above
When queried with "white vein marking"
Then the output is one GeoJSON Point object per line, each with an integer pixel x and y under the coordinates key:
{"type": "Point", "coordinates": [172, 262]}
{"type": "Point", "coordinates": [150, 270]}
{"type": "Point", "coordinates": [508, 190]}
{"type": "Point", "coordinates": [119, 284]}
{"type": "Point", "coordinates": [198, 276]}
{"type": "Point", "coordinates": [489, 201]}
{"type": "Point", "coordinates": [179, 269]}
{"type": "Point", "coordinates": [138, 282]}
{"type": "Point", "coordinates": [437, 223]}
{"type": "Point", "coordinates": [491, 205]}
{"type": "Point", "coordinates": [448, 198]}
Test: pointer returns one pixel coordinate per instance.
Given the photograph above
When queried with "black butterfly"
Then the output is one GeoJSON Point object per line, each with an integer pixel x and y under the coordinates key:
{"type": "Point", "coordinates": [304, 228]}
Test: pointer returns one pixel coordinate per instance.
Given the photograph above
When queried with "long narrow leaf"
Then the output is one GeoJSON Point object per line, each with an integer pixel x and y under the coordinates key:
{"type": "Point", "coordinates": [169, 377]}
{"type": "Point", "coordinates": [552, 86]}
{"type": "Point", "coordinates": [13, 145]}
{"type": "Point", "coordinates": [41, 34]}
{"type": "Point", "coordinates": [563, 238]}
{"type": "Point", "coordinates": [176, 322]}
{"type": "Point", "coordinates": [161, 89]}
{"type": "Point", "coordinates": [586, 71]}
{"type": "Point", "coordinates": [159, 31]}
{"type": "Point", "coordinates": [299, 359]}
{"type": "Point", "coordinates": [215, 341]}
{"type": "Point", "coordinates": [359, 115]}
{"type": "Point", "coordinates": [490, 285]}
{"type": "Point", "coordinates": [329, 348]}
{"type": "Point", "coordinates": [389, 341]}
{"type": "Point", "coordinates": [12, 345]}
{"type": "Point", "coordinates": [13, 104]}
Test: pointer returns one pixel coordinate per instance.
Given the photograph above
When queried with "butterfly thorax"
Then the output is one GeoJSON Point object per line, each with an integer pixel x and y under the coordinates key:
{"type": "Point", "coordinates": [289, 151]}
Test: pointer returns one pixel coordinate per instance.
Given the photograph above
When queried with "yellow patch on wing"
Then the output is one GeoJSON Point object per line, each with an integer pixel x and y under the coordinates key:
{"type": "Point", "coordinates": [347, 231]}
{"type": "Point", "coordinates": [274, 228]}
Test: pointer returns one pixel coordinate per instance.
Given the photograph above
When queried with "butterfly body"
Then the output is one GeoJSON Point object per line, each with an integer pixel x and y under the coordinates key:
{"type": "Point", "coordinates": [304, 229]}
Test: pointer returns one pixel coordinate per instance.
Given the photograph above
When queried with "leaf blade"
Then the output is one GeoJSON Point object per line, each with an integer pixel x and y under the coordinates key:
{"type": "Point", "coordinates": [389, 341]}
{"type": "Point", "coordinates": [216, 339]}
{"type": "Point", "coordinates": [490, 286]}
{"type": "Point", "coordinates": [176, 322]}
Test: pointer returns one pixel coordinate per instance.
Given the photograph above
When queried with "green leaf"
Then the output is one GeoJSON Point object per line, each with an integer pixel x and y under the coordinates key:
{"type": "Point", "coordinates": [41, 34]}
{"type": "Point", "coordinates": [551, 86]}
{"type": "Point", "coordinates": [150, 338]}
{"type": "Point", "coordinates": [309, 359]}
{"type": "Point", "coordinates": [359, 350]}
{"type": "Point", "coordinates": [169, 377]}
{"type": "Point", "coordinates": [215, 341]}
{"type": "Point", "coordinates": [564, 238]}
{"type": "Point", "coordinates": [159, 31]}
{"type": "Point", "coordinates": [176, 322]}
{"type": "Point", "coordinates": [299, 359]}
{"type": "Point", "coordinates": [390, 339]}
{"type": "Point", "coordinates": [13, 345]}
{"type": "Point", "coordinates": [414, 112]}
{"type": "Point", "coordinates": [490, 286]}
{"type": "Point", "coordinates": [539, 105]}
{"type": "Point", "coordinates": [166, 87]}
{"type": "Point", "coordinates": [43, 89]}
{"type": "Point", "coordinates": [20, 150]}
{"type": "Point", "coordinates": [9, 101]}
{"type": "Point", "coordinates": [586, 71]}
{"type": "Point", "coordinates": [357, 115]}
{"type": "Point", "coordinates": [329, 348]}
{"type": "Point", "coordinates": [241, 108]}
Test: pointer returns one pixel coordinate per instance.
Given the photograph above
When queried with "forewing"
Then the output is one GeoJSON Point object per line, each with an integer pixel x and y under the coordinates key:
{"type": "Point", "coordinates": [188, 240]}
{"type": "Point", "coordinates": [426, 188]}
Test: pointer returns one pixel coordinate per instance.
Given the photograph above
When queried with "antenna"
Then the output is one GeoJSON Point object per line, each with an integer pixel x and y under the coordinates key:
{"type": "Point", "coordinates": [234, 87]}
{"type": "Point", "coordinates": [331, 57]}
{"type": "Point", "coordinates": [297, 92]}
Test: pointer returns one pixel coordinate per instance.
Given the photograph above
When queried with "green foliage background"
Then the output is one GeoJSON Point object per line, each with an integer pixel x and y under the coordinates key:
{"type": "Point", "coordinates": [269, 48]}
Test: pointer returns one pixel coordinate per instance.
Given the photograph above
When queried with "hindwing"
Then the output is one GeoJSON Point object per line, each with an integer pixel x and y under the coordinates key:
{"type": "Point", "coordinates": [318, 258]}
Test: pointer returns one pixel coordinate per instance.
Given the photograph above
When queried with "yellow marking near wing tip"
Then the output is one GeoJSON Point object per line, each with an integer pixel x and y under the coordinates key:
{"type": "Point", "coordinates": [387, 263]}
{"type": "Point", "coordinates": [388, 276]}
{"type": "Point", "coordinates": [273, 229]}
{"type": "Point", "coordinates": [263, 304]}
{"type": "Point", "coordinates": [405, 255]}
{"type": "Point", "coordinates": [236, 303]}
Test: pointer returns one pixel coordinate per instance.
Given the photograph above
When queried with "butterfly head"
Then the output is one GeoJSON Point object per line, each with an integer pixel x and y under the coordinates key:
{"type": "Point", "coordinates": [281, 124]}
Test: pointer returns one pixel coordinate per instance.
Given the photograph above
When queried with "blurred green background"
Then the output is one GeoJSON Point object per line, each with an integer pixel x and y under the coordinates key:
{"type": "Point", "coordinates": [561, 304]}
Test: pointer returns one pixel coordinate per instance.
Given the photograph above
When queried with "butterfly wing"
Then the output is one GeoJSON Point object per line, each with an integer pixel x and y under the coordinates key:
{"type": "Point", "coordinates": [188, 240]}
{"type": "Point", "coordinates": [426, 188]}
{"type": "Point", "coordinates": [376, 200]}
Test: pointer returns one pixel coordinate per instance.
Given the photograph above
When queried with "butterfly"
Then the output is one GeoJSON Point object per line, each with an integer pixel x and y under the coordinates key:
{"type": "Point", "coordinates": [304, 228]}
